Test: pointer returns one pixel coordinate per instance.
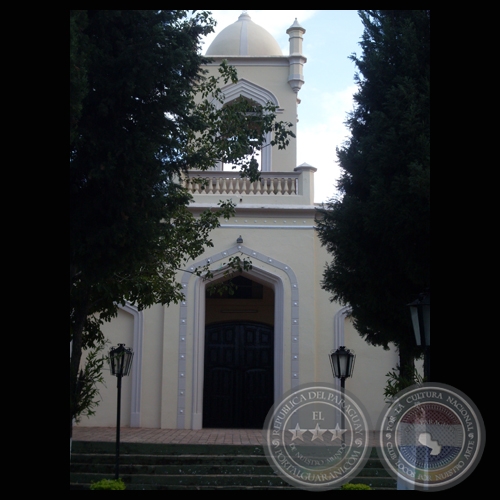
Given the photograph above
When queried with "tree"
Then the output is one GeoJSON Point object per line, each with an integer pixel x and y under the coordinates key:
{"type": "Point", "coordinates": [142, 112]}
{"type": "Point", "coordinates": [377, 228]}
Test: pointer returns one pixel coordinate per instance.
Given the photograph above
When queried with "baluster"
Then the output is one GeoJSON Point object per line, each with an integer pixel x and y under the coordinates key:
{"type": "Point", "coordinates": [263, 186]}
{"type": "Point", "coordinates": [282, 186]}
{"type": "Point", "coordinates": [285, 186]}
{"type": "Point", "coordinates": [268, 185]}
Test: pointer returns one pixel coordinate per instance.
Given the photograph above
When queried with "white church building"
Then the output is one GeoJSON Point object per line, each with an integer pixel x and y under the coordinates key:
{"type": "Point", "coordinates": [221, 362]}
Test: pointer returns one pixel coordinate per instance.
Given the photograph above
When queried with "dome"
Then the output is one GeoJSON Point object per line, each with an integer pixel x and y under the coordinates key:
{"type": "Point", "coordinates": [244, 38]}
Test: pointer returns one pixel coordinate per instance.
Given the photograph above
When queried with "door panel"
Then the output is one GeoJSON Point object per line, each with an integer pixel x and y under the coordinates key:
{"type": "Point", "coordinates": [239, 375]}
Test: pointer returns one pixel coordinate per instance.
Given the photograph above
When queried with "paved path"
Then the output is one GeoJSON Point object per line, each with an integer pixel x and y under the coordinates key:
{"type": "Point", "coordinates": [178, 436]}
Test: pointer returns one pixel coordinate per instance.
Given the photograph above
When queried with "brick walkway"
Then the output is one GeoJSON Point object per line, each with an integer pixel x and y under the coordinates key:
{"type": "Point", "coordinates": [175, 436]}
{"type": "Point", "coordinates": [178, 436]}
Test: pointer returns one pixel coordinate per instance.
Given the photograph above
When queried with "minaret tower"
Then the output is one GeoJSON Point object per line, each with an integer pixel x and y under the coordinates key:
{"type": "Point", "coordinates": [297, 60]}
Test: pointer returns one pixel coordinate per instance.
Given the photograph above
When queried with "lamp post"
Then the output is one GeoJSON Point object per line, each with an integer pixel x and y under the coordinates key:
{"type": "Point", "coordinates": [342, 361]}
{"type": "Point", "coordinates": [120, 362]}
{"type": "Point", "coordinates": [421, 318]}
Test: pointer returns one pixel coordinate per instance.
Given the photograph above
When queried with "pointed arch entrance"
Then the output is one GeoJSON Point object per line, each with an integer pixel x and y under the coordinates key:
{"type": "Point", "coordinates": [238, 381]}
{"type": "Point", "coordinates": [276, 275]}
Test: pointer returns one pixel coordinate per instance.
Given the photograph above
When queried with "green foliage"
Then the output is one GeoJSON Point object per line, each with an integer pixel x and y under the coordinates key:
{"type": "Point", "coordinates": [378, 227]}
{"type": "Point", "coordinates": [143, 113]}
{"type": "Point", "coordinates": [401, 379]}
{"type": "Point", "coordinates": [355, 486]}
{"type": "Point", "coordinates": [108, 484]}
{"type": "Point", "coordinates": [85, 398]}
{"type": "Point", "coordinates": [77, 72]}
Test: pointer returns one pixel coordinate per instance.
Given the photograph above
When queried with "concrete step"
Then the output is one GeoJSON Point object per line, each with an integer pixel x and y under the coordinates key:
{"type": "Point", "coordinates": [171, 466]}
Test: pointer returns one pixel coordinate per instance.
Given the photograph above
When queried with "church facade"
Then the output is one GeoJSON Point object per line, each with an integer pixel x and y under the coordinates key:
{"type": "Point", "coordinates": [221, 361]}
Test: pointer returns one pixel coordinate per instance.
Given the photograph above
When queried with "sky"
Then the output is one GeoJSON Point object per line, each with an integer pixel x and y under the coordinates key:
{"type": "Point", "coordinates": [326, 97]}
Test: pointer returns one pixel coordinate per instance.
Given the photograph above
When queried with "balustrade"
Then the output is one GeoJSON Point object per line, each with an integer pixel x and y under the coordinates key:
{"type": "Point", "coordinates": [228, 183]}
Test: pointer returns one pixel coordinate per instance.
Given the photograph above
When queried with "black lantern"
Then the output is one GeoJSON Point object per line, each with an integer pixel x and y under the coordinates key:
{"type": "Point", "coordinates": [342, 361]}
{"type": "Point", "coordinates": [120, 362]}
{"type": "Point", "coordinates": [421, 318]}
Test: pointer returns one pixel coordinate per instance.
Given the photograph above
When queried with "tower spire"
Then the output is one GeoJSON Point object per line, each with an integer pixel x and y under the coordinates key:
{"type": "Point", "coordinates": [297, 60]}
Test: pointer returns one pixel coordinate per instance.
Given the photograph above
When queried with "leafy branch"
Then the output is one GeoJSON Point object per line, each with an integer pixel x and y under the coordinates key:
{"type": "Point", "coordinates": [398, 381]}
{"type": "Point", "coordinates": [86, 391]}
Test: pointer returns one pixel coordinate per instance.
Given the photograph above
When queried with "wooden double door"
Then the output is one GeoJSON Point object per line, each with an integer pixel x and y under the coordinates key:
{"type": "Point", "coordinates": [238, 385]}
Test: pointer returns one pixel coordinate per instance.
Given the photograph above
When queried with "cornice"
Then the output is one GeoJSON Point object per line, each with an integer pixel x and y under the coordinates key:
{"type": "Point", "coordinates": [250, 60]}
{"type": "Point", "coordinates": [262, 210]}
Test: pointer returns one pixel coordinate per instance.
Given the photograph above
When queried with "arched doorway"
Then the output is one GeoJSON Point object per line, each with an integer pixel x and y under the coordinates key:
{"type": "Point", "coordinates": [238, 387]}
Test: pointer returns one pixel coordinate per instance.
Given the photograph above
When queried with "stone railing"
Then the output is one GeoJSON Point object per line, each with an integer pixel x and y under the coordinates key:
{"type": "Point", "coordinates": [230, 183]}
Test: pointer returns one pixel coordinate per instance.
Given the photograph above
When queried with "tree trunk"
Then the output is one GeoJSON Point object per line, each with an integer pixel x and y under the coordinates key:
{"type": "Point", "coordinates": [74, 365]}
{"type": "Point", "coordinates": [406, 361]}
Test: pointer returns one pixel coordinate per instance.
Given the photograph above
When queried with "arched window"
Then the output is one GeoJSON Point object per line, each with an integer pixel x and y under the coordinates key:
{"type": "Point", "coordinates": [245, 89]}
{"type": "Point", "coordinates": [252, 124]}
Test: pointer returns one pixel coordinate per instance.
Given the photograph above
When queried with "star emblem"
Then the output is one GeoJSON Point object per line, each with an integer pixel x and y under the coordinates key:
{"type": "Point", "coordinates": [297, 433]}
{"type": "Point", "coordinates": [317, 433]}
{"type": "Point", "coordinates": [337, 432]}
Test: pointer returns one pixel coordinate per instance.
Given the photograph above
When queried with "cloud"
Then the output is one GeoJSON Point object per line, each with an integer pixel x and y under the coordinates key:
{"type": "Point", "coordinates": [327, 128]}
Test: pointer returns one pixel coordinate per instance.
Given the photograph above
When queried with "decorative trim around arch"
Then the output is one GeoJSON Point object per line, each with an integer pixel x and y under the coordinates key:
{"type": "Point", "coordinates": [338, 326]}
{"type": "Point", "coordinates": [197, 311]}
{"type": "Point", "coordinates": [136, 375]}
{"type": "Point", "coordinates": [250, 90]}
